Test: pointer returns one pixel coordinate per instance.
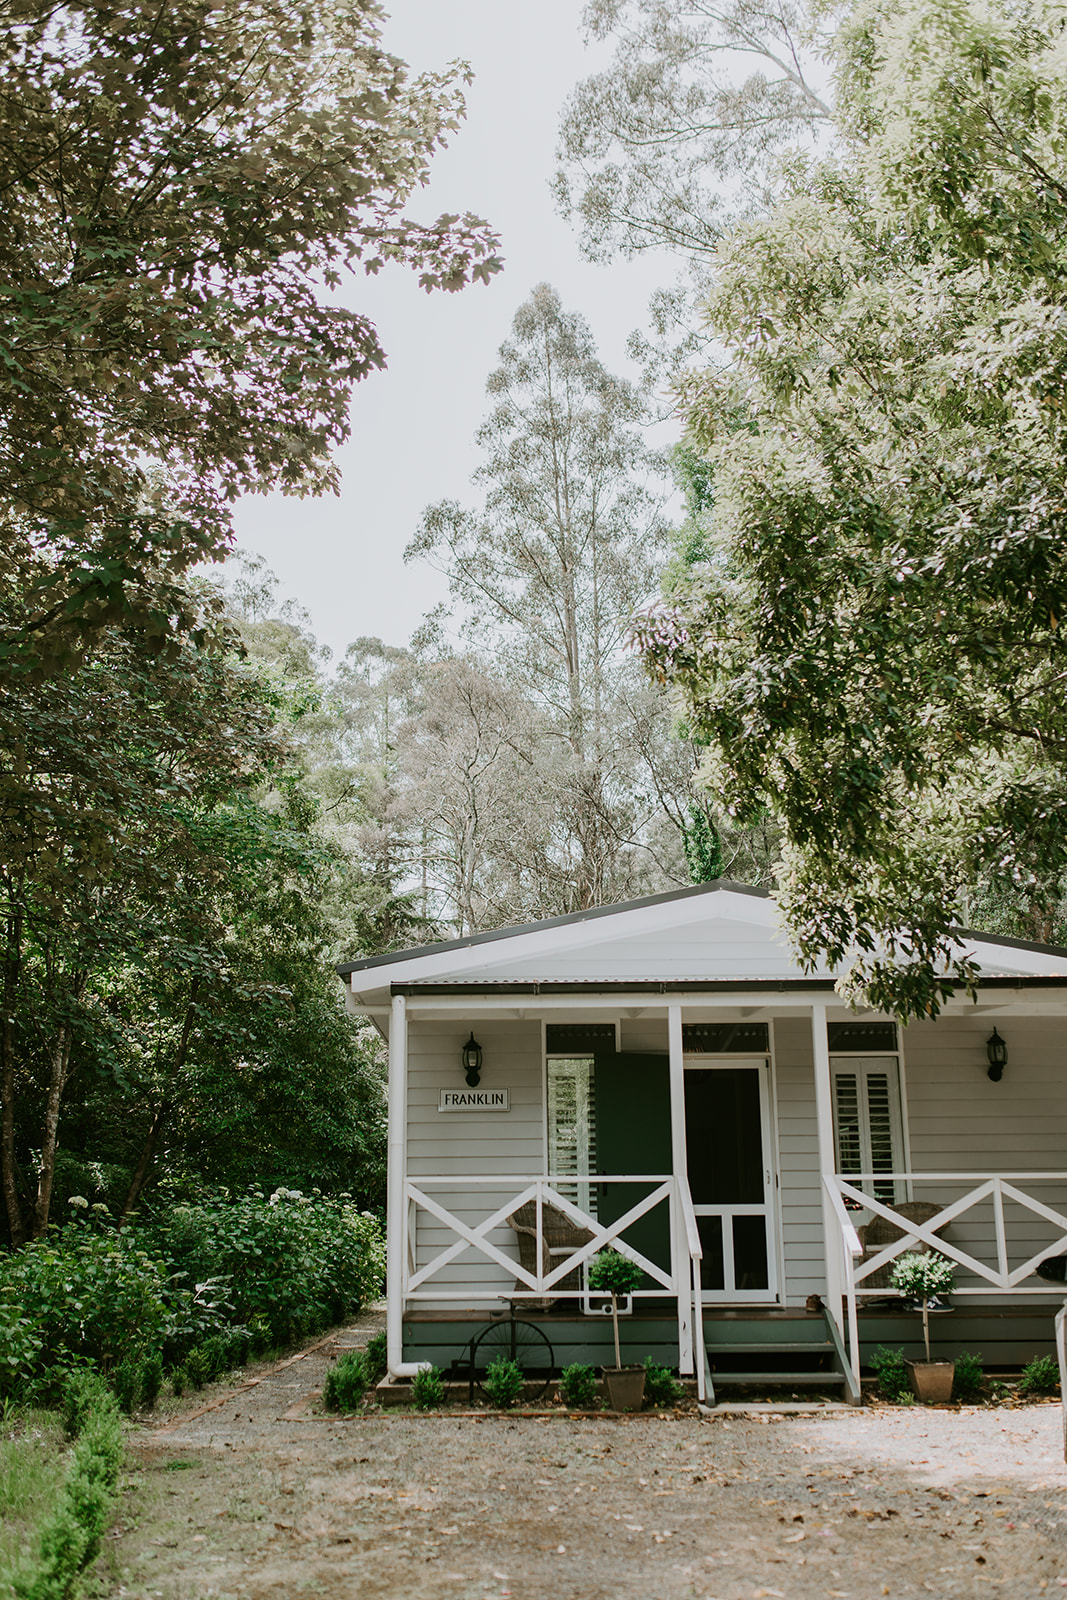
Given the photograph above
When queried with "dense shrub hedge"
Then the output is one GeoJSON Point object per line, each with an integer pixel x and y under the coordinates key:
{"type": "Point", "coordinates": [292, 1262]}
{"type": "Point", "coordinates": [71, 1534]}
{"type": "Point", "coordinates": [192, 1290]}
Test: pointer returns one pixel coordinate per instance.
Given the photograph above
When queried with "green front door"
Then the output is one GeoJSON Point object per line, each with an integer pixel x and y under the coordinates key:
{"type": "Point", "coordinates": [633, 1135]}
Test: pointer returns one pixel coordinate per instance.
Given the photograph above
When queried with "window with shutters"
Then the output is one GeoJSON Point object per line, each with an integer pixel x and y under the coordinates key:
{"type": "Point", "coordinates": [867, 1123]}
{"type": "Point", "coordinates": [572, 1126]}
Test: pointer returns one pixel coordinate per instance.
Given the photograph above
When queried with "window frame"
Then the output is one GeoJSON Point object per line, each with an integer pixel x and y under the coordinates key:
{"type": "Point", "coordinates": [586, 1196]}
{"type": "Point", "coordinates": [861, 1064]}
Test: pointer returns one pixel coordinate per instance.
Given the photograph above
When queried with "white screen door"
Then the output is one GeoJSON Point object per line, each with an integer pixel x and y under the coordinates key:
{"type": "Point", "coordinates": [731, 1177]}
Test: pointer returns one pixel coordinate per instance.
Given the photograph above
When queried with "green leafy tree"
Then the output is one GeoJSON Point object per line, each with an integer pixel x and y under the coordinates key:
{"type": "Point", "coordinates": [681, 134]}
{"type": "Point", "coordinates": [95, 840]}
{"type": "Point", "coordinates": [178, 180]}
{"type": "Point", "coordinates": [703, 847]}
{"type": "Point", "coordinates": [882, 667]}
{"type": "Point", "coordinates": [612, 1273]}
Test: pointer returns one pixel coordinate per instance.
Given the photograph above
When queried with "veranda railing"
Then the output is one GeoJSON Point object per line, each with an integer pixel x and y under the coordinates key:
{"type": "Point", "coordinates": [1003, 1232]}
{"type": "Point", "coordinates": [506, 1192]}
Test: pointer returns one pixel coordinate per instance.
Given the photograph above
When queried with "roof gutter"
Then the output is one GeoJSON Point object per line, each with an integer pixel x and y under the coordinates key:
{"type": "Point", "coordinates": [679, 986]}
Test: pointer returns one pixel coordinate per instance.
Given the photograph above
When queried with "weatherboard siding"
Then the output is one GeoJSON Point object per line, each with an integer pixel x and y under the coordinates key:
{"type": "Point", "coordinates": [803, 1253]}
{"type": "Point", "coordinates": [959, 1121]}
{"type": "Point", "coordinates": [455, 1143]}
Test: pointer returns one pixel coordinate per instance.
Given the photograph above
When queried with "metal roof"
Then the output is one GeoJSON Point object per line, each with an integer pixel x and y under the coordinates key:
{"type": "Point", "coordinates": [346, 968]}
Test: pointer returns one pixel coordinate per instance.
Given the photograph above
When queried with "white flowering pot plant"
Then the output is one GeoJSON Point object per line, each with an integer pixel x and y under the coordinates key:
{"type": "Point", "coordinates": [923, 1278]}
{"type": "Point", "coordinates": [613, 1273]}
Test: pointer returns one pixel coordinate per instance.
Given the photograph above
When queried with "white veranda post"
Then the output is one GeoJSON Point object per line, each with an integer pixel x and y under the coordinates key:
{"type": "Point", "coordinates": [396, 1208]}
{"type": "Point", "coordinates": [824, 1121]}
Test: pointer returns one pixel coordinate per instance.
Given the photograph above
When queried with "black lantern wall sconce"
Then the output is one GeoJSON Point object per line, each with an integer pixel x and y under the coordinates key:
{"type": "Point", "coordinates": [997, 1051]}
{"type": "Point", "coordinates": [472, 1060]}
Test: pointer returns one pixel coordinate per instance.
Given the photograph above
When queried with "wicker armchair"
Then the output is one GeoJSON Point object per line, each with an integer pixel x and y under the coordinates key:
{"type": "Point", "coordinates": [559, 1237]}
{"type": "Point", "coordinates": [876, 1234]}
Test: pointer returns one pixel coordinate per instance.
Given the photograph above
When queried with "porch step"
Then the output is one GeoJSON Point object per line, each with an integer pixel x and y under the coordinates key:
{"type": "Point", "coordinates": [763, 1347]}
{"type": "Point", "coordinates": [795, 1380]}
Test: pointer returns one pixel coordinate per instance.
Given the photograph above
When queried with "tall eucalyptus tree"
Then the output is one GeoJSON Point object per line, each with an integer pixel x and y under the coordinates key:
{"type": "Point", "coordinates": [565, 546]}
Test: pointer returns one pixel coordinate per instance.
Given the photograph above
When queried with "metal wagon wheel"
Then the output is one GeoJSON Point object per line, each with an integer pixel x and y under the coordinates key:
{"type": "Point", "coordinates": [513, 1340]}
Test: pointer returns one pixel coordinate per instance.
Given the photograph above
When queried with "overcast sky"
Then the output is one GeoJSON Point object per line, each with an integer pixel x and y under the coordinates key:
{"type": "Point", "coordinates": [413, 425]}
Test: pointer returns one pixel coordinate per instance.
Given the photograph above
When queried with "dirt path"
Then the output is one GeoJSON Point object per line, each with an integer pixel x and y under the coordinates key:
{"type": "Point", "coordinates": [262, 1498]}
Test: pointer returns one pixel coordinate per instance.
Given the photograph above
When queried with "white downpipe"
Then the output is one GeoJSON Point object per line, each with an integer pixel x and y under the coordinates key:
{"type": "Point", "coordinates": [679, 1238]}
{"type": "Point", "coordinates": [396, 1206]}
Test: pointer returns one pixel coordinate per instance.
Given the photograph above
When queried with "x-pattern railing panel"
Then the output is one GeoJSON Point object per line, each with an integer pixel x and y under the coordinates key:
{"type": "Point", "coordinates": [541, 1190]}
{"type": "Point", "coordinates": [996, 1188]}
{"type": "Point", "coordinates": [471, 1237]}
{"type": "Point", "coordinates": [609, 1235]}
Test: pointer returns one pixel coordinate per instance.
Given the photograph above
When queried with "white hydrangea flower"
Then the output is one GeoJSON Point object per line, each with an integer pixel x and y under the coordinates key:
{"type": "Point", "coordinates": [80, 1201]}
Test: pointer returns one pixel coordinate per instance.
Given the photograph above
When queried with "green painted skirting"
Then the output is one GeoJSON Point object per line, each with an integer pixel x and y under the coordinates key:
{"type": "Point", "coordinates": [1003, 1338]}
{"type": "Point", "coordinates": [587, 1339]}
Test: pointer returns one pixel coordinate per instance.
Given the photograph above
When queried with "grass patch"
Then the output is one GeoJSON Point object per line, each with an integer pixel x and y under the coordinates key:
{"type": "Point", "coordinates": [33, 1466]}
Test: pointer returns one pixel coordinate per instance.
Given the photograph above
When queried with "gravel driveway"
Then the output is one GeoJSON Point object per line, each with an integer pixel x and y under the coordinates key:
{"type": "Point", "coordinates": [262, 1497]}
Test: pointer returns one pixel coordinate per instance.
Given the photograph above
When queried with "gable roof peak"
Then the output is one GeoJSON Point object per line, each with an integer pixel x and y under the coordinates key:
{"type": "Point", "coordinates": [571, 918]}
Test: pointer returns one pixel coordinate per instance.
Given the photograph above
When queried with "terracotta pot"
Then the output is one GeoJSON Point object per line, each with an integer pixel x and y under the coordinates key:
{"type": "Point", "coordinates": [931, 1381]}
{"type": "Point", "coordinates": [626, 1387]}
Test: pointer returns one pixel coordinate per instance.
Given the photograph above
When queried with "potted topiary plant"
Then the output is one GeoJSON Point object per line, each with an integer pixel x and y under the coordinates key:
{"type": "Point", "coordinates": [922, 1277]}
{"type": "Point", "coordinates": [613, 1273]}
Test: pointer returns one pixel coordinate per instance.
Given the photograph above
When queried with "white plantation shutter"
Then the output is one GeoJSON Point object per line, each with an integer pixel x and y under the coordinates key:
{"type": "Point", "coordinates": [571, 1124]}
{"type": "Point", "coordinates": [867, 1127]}
{"type": "Point", "coordinates": [880, 1105]}
{"type": "Point", "coordinates": [848, 1122]}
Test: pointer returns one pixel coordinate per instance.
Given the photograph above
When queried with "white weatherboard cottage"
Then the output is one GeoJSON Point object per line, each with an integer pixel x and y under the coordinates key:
{"type": "Point", "coordinates": [661, 1077]}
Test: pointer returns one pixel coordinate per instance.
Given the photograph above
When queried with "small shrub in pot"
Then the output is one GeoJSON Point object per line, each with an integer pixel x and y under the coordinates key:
{"type": "Point", "coordinates": [613, 1273]}
{"type": "Point", "coordinates": [922, 1277]}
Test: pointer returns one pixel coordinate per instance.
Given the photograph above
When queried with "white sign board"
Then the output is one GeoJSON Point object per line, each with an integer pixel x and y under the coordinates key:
{"type": "Point", "coordinates": [473, 1100]}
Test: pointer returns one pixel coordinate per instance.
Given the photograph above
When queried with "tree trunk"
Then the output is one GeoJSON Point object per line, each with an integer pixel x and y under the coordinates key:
{"type": "Point", "coordinates": [163, 1109]}
{"type": "Point", "coordinates": [57, 1079]}
{"type": "Point", "coordinates": [12, 956]}
{"type": "Point", "coordinates": [144, 1161]}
